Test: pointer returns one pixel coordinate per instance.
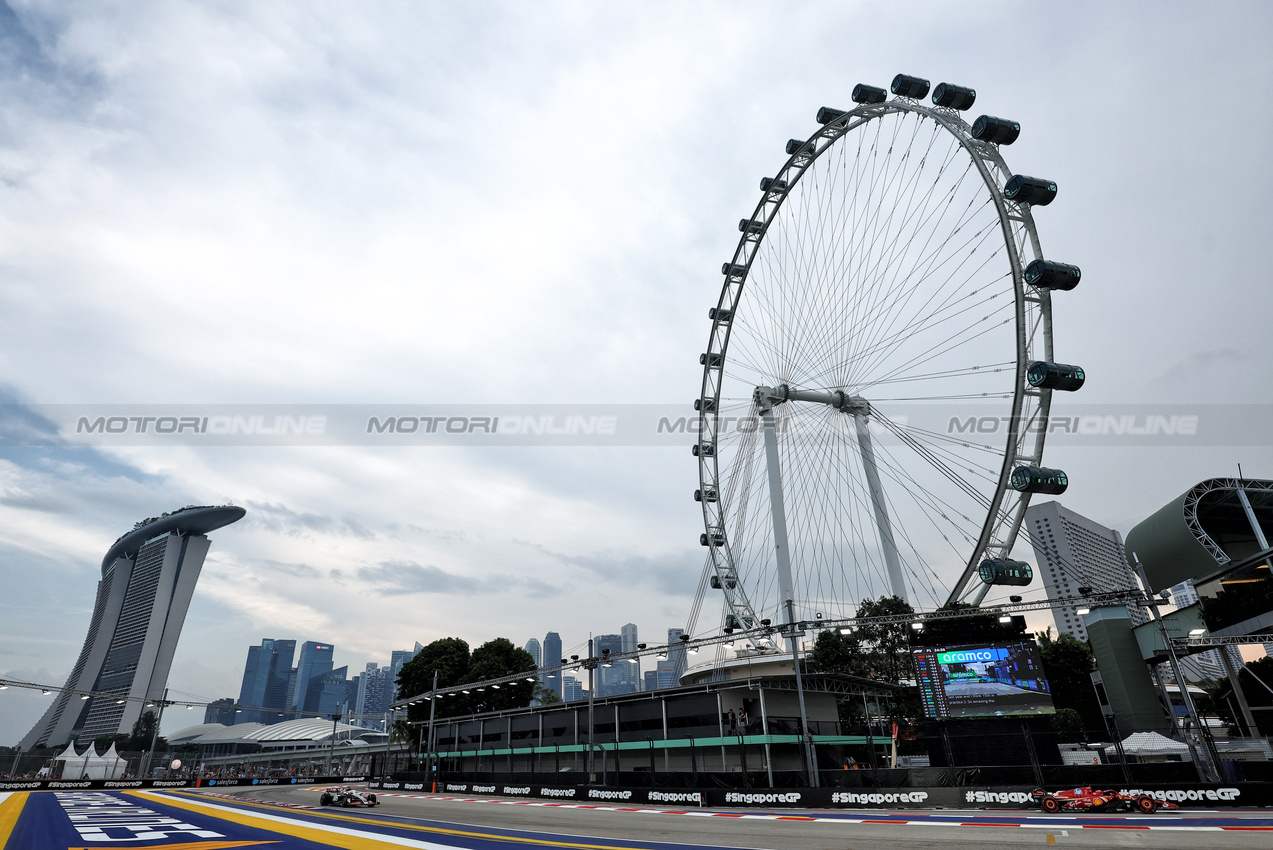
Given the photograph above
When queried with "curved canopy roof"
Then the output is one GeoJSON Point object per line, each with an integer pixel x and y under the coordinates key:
{"type": "Point", "coordinates": [194, 519]}
{"type": "Point", "coordinates": [302, 729]}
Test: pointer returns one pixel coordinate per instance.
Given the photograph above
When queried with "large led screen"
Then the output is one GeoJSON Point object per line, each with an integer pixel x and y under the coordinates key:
{"type": "Point", "coordinates": [982, 680]}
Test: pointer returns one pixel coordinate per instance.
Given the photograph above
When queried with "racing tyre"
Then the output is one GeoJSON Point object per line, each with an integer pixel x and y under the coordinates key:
{"type": "Point", "coordinates": [1146, 805]}
{"type": "Point", "coordinates": [1051, 805]}
{"type": "Point", "coordinates": [325, 800]}
{"type": "Point", "coordinates": [372, 799]}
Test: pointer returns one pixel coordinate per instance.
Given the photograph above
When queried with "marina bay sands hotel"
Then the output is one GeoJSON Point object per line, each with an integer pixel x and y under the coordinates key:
{"type": "Point", "coordinates": [148, 577]}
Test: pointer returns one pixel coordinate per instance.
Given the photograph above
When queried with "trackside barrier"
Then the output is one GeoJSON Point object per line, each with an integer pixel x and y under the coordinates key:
{"type": "Point", "coordinates": [115, 784]}
{"type": "Point", "coordinates": [1245, 794]}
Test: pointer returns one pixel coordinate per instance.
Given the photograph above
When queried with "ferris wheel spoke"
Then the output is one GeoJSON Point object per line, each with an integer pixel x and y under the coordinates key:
{"type": "Point", "coordinates": [886, 269]}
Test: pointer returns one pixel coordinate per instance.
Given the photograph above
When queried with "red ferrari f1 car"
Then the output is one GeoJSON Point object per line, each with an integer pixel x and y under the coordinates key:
{"type": "Point", "coordinates": [1088, 799]}
{"type": "Point", "coordinates": [344, 796]}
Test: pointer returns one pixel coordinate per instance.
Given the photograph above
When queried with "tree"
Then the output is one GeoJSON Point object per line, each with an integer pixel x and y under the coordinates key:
{"type": "Point", "coordinates": [455, 665]}
{"type": "Point", "coordinates": [143, 732]}
{"type": "Point", "coordinates": [837, 653]}
{"type": "Point", "coordinates": [545, 696]}
{"type": "Point", "coordinates": [450, 658]}
{"type": "Point", "coordinates": [1068, 663]}
{"type": "Point", "coordinates": [1068, 726]}
{"type": "Point", "coordinates": [888, 644]}
{"type": "Point", "coordinates": [120, 740]}
{"type": "Point", "coordinates": [494, 659]}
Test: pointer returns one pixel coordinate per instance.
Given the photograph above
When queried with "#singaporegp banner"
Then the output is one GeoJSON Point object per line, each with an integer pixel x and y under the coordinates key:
{"type": "Point", "coordinates": [979, 797]}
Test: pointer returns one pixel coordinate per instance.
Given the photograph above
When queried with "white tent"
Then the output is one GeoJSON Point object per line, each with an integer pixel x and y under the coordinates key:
{"type": "Point", "coordinates": [114, 765]}
{"type": "Point", "coordinates": [88, 764]}
{"type": "Point", "coordinates": [1151, 746]}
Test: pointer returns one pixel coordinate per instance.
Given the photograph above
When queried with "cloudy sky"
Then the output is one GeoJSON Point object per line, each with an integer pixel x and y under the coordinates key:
{"type": "Point", "coordinates": [326, 204]}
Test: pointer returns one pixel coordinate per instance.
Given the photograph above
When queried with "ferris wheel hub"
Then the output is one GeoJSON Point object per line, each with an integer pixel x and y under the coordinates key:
{"type": "Point", "coordinates": [768, 397]}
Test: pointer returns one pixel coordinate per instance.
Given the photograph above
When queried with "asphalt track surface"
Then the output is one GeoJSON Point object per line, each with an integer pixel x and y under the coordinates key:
{"type": "Point", "coordinates": [289, 818]}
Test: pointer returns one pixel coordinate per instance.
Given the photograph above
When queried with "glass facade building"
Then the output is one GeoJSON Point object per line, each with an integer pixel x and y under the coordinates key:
{"type": "Point", "coordinates": [148, 579]}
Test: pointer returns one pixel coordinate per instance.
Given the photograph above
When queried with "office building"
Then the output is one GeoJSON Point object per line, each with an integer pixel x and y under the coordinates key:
{"type": "Point", "coordinates": [532, 648]}
{"type": "Point", "coordinates": [572, 689]}
{"type": "Point", "coordinates": [552, 656]}
{"type": "Point", "coordinates": [220, 711]}
{"type": "Point", "coordinates": [1073, 552]}
{"type": "Point", "coordinates": [373, 692]}
{"type": "Point", "coordinates": [650, 680]}
{"type": "Point", "coordinates": [397, 660]}
{"type": "Point", "coordinates": [632, 676]}
{"type": "Point", "coordinates": [263, 694]}
{"type": "Point", "coordinates": [670, 668]}
{"type": "Point", "coordinates": [609, 680]}
{"type": "Point", "coordinates": [148, 578]}
{"type": "Point", "coordinates": [351, 696]}
{"type": "Point", "coordinates": [1202, 665]}
{"type": "Point", "coordinates": [331, 697]}
{"type": "Point", "coordinates": [314, 663]}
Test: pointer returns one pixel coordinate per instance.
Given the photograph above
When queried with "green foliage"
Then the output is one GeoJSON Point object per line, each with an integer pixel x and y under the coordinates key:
{"type": "Point", "coordinates": [120, 740]}
{"type": "Point", "coordinates": [545, 696]}
{"type": "Point", "coordinates": [837, 653]}
{"type": "Point", "coordinates": [1068, 663]}
{"type": "Point", "coordinates": [871, 651]}
{"type": "Point", "coordinates": [402, 732]}
{"type": "Point", "coordinates": [497, 658]}
{"type": "Point", "coordinates": [1068, 726]}
{"type": "Point", "coordinates": [887, 644]}
{"type": "Point", "coordinates": [450, 658]}
{"type": "Point", "coordinates": [455, 665]}
{"type": "Point", "coordinates": [143, 732]}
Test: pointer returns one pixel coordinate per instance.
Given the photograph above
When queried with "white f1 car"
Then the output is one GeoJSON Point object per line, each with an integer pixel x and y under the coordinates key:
{"type": "Point", "coordinates": [344, 796]}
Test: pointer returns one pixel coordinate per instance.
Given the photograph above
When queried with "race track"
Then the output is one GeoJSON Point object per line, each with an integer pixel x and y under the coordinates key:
{"type": "Point", "coordinates": [288, 818]}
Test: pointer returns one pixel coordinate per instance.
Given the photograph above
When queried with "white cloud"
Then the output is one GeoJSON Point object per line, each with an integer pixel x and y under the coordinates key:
{"type": "Point", "coordinates": [508, 203]}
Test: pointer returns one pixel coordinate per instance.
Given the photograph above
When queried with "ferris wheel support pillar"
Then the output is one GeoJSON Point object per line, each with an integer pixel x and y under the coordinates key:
{"type": "Point", "coordinates": [785, 585]}
{"type": "Point", "coordinates": [891, 559]}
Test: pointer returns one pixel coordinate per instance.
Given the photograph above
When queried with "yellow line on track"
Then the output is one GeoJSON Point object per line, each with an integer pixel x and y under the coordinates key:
{"type": "Point", "coordinates": [435, 830]}
{"type": "Point", "coordinates": [300, 830]}
{"type": "Point", "coordinates": [10, 811]}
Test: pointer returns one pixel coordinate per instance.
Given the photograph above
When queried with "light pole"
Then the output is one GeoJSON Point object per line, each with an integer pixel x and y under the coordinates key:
{"type": "Point", "coordinates": [1208, 767]}
{"type": "Point", "coordinates": [433, 703]}
{"type": "Point", "coordinates": [154, 736]}
{"type": "Point", "coordinates": [590, 664]}
{"type": "Point", "coordinates": [331, 750]}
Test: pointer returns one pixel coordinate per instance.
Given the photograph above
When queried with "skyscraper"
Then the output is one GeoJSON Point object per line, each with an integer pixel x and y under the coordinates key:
{"type": "Point", "coordinates": [631, 676]}
{"type": "Point", "coordinates": [220, 711]}
{"type": "Point", "coordinates": [1071, 552]}
{"type": "Point", "coordinates": [331, 697]}
{"type": "Point", "coordinates": [397, 660]}
{"type": "Point", "coordinates": [572, 689]}
{"type": "Point", "coordinates": [532, 647]}
{"type": "Point", "coordinates": [314, 663]}
{"type": "Point", "coordinates": [552, 656]}
{"type": "Point", "coordinates": [670, 670]}
{"type": "Point", "coordinates": [609, 680]}
{"type": "Point", "coordinates": [373, 695]}
{"type": "Point", "coordinates": [148, 577]}
{"type": "Point", "coordinates": [1202, 665]}
{"type": "Point", "coordinates": [265, 675]}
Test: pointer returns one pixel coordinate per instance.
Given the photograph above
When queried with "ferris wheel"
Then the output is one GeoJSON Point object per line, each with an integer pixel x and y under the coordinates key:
{"type": "Point", "coordinates": [891, 268]}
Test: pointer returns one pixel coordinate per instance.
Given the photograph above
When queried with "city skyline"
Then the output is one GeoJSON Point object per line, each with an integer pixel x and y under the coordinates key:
{"type": "Point", "coordinates": [171, 182]}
